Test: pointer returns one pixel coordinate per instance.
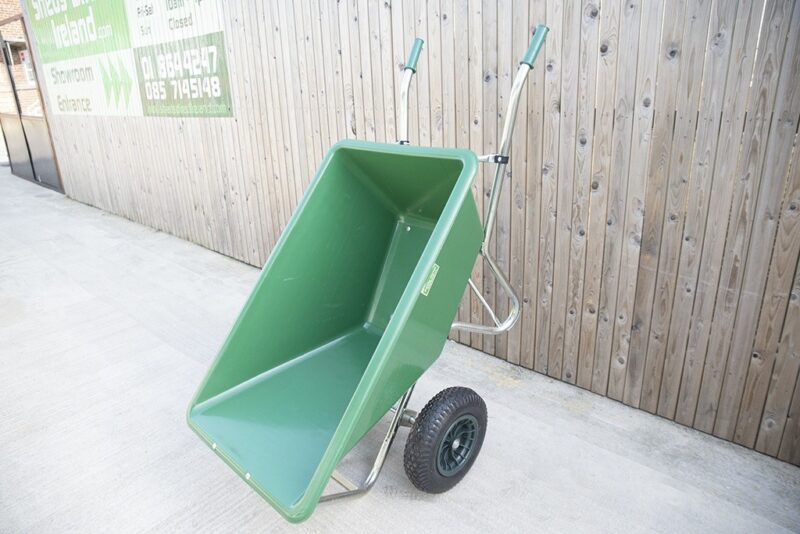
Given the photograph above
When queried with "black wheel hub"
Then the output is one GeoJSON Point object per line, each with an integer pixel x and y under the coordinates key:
{"type": "Point", "coordinates": [455, 448]}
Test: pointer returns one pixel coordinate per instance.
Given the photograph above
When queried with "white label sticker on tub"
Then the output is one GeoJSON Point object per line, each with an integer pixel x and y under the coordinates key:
{"type": "Point", "coordinates": [431, 277]}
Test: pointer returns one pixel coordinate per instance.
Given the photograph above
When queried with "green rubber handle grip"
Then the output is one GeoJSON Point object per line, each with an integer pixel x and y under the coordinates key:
{"type": "Point", "coordinates": [536, 44]}
{"type": "Point", "coordinates": [413, 57]}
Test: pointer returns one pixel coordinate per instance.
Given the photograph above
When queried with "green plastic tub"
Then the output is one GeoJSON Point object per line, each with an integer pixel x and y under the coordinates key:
{"type": "Point", "coordinates": [354, 304]}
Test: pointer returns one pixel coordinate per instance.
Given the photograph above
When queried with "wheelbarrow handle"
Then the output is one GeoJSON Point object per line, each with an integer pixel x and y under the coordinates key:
{"type": "Point", "coordinates": [524, 68]}
{"type": "Point", "coordinates": [413, 57]}
{"type": "Point", "coordinates": [408, 72]}
{"type": "Point", "coordinates": [536, 44]}
{"type": "Point", "coordinates": [501, 158]}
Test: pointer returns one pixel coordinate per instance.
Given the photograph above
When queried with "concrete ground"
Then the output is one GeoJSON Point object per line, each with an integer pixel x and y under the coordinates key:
{"type": "Point", "coordinates": [107, 327]}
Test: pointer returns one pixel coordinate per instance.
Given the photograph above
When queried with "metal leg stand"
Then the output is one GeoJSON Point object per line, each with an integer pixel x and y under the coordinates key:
{"type": "Point", "coordinates": [402, 417]}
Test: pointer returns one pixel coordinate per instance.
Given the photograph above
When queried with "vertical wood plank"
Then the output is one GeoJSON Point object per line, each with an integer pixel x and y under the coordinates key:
{"type": "Point", "coordinates": [289, 88]}
{"type": "Point", "coordinates": [279, 116]}
{"type": "Point", "coordinates": [267, 156]}
{"type": "Point", "coordinates": [521, 34]}
{"type": "Point", "coordinates": [317, 73]}
{"type": "Point", "coordinates": [306, 85]}
{"type": "Point", "coordinates": [505, 77]}
{"type": "Point", "coordinates": [371, 72]}
{"type": "Point", "coordinates": [533, 183]}
{"type": "Point", "coordinates": [283, 172]}
{"type": "Point", "coordinates": [246, 134]}
{"type": "Point", "coordinates": [435, 56]}
{"type": "Point", "coordinates": [564, 196]}
{"type": "Point", "coordinates": [476, 142]}
{"type": "Point", "coordinates": [490, 133]}
{"type": "Point", "coordinates": [304, 127]}
{"type": "Point", "coordinates": [348, 87]}
{"type": "Point", "coordinates": [549, 196]}
{"type": "Point", "coordinates": [422, 78]}
{"type": "Point", "coordinates": [388, 67]}
{"type": "Point", "coordinates": [455, 39]}
{"type": "Point", "coordinates": [587, 81]}
{"type": "Point", "coordinates": [365, 125]}
{"type": "Point", "coordinates": [233, 137]}
{"type": "Point", "coordinates": [326, 74]}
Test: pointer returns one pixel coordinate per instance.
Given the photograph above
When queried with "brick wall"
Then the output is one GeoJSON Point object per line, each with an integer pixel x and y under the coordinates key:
{"type": "Point", "coordinates": [13, 31]}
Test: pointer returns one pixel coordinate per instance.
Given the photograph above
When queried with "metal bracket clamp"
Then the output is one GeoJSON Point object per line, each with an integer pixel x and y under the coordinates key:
{"type": "Point", "coordinates": [402, 417]}
{"type": "Point", "coordinates": [494, 158]}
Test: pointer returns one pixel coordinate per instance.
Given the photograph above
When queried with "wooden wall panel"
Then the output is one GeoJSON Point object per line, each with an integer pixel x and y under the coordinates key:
{"type": "Point", "coordinates": [651, 220]}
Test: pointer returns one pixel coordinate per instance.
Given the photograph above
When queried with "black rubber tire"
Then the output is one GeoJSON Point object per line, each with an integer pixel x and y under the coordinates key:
{"type": "Point", "coordinates": [421, 459]}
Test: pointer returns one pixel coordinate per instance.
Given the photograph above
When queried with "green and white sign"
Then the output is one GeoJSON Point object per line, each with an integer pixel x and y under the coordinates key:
{"type": "Point", "coordinates": [102, 84]}
{"type": "Point", "coordinates": [133, 57]}
{"type": "Point", "coordinates": [184, 78]}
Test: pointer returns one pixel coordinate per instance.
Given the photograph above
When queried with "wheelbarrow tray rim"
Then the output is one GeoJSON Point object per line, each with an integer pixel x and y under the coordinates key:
{"type": "Point", "coordinates": [338, 445]}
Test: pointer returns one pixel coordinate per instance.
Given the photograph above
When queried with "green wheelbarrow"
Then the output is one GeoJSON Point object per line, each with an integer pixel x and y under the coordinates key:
{"type": "Point", "coordinates": [353, 305]}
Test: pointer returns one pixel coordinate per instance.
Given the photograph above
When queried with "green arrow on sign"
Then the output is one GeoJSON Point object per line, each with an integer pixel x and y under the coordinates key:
{"type": "Point", "coordinates": [114, 81]}
{"type": "Point", "coordinates": [126, 82]}
{"type": "Point", "coordinates": [117, 82]}
{"type": "Point", "coordinates": [107, 88]}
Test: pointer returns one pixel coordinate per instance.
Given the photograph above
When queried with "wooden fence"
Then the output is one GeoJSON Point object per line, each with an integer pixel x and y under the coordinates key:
{"type": "Point", "coordinates": [651, 224]}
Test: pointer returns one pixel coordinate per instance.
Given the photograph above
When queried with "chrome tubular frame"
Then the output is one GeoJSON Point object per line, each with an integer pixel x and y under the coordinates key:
{"type": "Point", "coordinates": [488, 226]}
{"type": "Point", "coordinates": [402, 417]}
{"type": "Point", "coordinates": [405, 85]}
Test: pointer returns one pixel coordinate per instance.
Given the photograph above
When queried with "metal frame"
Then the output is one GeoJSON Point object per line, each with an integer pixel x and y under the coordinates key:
{"type": "Point", "coordinates": [402, 417]}
{"type": "Point", "coordinates": [405, 86]}
{"type": "Point", "coordinates": [501, 159]}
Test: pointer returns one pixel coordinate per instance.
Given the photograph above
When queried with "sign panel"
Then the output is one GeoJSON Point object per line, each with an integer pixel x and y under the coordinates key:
{"type": "Point", "coordinates": [103, 84]}
{"type": "Point", "coordinates": [184, 78]}
{"type": "Point", "coordinates": [133, 57]}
